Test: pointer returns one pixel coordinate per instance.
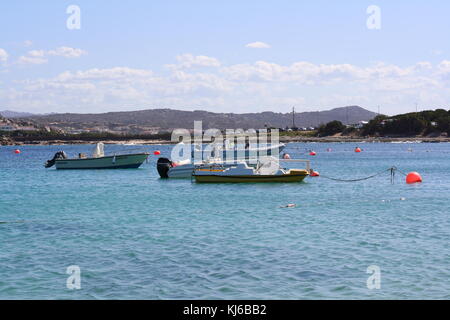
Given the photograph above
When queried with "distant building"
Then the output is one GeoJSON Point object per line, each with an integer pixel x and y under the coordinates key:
{"type": "Point", "coordinates": [359, 125]}
{"type": "Point", "coordinates": [7, 128]}
{"type": "Point", "coordinates": [27, 128]}
{"type": "Point", "coordinates": [10, 127]}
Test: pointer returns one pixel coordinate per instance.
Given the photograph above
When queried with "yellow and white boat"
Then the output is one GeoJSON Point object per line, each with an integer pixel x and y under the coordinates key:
{"type": "Point", "coordinates": [265, 171]}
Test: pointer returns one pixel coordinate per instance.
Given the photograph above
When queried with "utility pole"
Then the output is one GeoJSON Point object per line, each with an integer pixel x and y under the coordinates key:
{"type": "Point", "coordinates": [346, 115]}
{"type": "Point", "coordinates": [293, 117]}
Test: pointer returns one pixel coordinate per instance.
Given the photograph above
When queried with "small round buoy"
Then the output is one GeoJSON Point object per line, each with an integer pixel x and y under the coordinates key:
{"type": "Point", "coordinates": [329, 150]}
{"type": "Point", "coordinates": [358, 150]}
{"type": "Point", "coordinates": [286, 156]}
{"type": "Point", "coordinates": [17, 151]}
{"type": "Point", "coordinates": [312, 153]}
{"type": "Point", "coordinates": [289, 205]}
{"type": "Point", "coordinates": [314, 174]}
{"type": "Point", "coordinates": [413, 177]}
{"type": "Point", "coordinates": [157, 153]}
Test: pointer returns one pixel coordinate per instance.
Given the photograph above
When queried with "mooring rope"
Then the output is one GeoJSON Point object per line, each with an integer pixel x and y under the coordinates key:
{"type": "Point", "coordinates": [392, 170]}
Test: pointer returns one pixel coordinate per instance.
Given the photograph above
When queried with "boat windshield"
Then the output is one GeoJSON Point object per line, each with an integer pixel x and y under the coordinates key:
{"type": "Point", "coordinates": [99, 151]}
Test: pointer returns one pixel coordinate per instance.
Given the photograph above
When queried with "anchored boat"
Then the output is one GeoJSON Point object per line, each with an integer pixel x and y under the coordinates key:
{"type": "Point", "coordinates": [184, 169]}
{"type": "Point", "coordinates": [226, 158]}
{"type": "Point", "coordinates": [267, 170]}
{"type": "Point", "coordinates": [98, 160]}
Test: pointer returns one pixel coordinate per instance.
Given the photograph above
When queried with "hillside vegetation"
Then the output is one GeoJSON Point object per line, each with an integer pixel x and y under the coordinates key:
{"type": "Point", "coordinates": [430, 122]}
{"type": "Point", "coordinates": [170, 119]}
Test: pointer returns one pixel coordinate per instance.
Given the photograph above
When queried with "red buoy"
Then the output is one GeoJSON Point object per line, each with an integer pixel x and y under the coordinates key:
{"type": "Point", "coordinates": [286, 156]}
{"type": "Point", "coordinates": [314, 174]}
{"type": "Point", "coordinates": [358, 149]}
{"type": "Point", "coordinates": [157, 153]}
{"type": "Point", "coordinates": [312, 153]}
{"type": "Point", "coordinates": [413, 177]}
{"type": "Point", "coordinates": [17, 151]}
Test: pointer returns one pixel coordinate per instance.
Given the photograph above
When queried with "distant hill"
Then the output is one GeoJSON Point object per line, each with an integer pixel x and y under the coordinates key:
{"type": "Point", "coordinates": [13, 114]}
{"type": "Point", "coordinates": [169, 119]}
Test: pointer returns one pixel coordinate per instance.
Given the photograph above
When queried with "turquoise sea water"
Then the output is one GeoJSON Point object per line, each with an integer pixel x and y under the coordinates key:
{"type": "Point", "coordinates": [135, 236]}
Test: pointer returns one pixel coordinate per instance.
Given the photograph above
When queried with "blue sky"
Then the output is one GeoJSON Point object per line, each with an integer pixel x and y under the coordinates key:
{"type": "Point", "coordinates": [314, 55]}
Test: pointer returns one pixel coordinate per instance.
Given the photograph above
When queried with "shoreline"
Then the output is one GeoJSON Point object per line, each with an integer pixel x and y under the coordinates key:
{"type": "Point", "coordinates": [341, 139]}
{"type": "Point", "coordinates": [283, 139]}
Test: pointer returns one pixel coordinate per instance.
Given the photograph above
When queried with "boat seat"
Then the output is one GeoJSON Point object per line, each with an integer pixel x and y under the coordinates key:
{"type": "Point", "coordinates": [269, 168]}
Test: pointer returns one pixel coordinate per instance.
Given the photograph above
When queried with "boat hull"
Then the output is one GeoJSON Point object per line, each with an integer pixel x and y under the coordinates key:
{"type": "Point", "coordinates": [128, 161]}
{"type": "Point", "coordinates": [296, 176]}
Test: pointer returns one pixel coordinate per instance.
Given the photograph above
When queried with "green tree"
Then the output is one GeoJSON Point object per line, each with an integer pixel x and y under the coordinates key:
{"type": "Point", "coordinates": [331, 128]}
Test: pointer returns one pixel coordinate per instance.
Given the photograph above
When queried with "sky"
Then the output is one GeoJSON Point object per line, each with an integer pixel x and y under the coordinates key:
{"type": "Point", "coordinates": [224, 56]}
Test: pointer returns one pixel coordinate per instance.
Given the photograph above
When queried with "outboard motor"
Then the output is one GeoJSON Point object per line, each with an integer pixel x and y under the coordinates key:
{"type": "Point", "coordinates": [60, 155]}
{"type": "Point", "coordinates": [163, 165]}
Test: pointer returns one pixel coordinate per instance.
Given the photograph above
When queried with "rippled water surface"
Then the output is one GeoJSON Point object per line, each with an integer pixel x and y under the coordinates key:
{"type": "Point", "coordinates": [135, 236]}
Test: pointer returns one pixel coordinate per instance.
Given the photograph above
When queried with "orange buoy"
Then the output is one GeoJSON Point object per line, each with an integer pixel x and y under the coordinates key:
{"type": "Point", "coordinates": [286, 156]}
{"type": "Point", "coordinates": [17, 151]}
{"type": "Point", "coordinates": [358, 149]}
{"type": "Point", "coordinates": [312, 153]}
{"type": "Point", "coordinates": [413, 177]}
{"type": "Point", "coordinates": [157, 153]}
{"type": "Point", "coordinates": [314, 174]}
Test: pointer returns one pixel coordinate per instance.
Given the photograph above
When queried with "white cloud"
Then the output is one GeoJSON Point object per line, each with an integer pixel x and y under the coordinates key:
{"type": "Point", "coordinates": [3, 55]}
{"type": "Point", "coordinates": [36, 53]}
{"type": "Point", "coordinates": [104, 74]}
{"type": "Point", "coordinates": [187, 61]}
{"type": "Point", "coordinates": [67, 52]}
{"type": "Point", "coordinates": [40, 56]}
{"type": "Point", "coordinates": [308, 73]}
{"type": "Point", "coordinates": [31, 60]}
{"type": "Point", "coordinates": [258, 45]}
{"type": "Point", "coordinates": [244, 87]}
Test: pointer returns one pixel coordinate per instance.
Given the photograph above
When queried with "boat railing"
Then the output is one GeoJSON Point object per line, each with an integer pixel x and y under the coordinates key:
{"type": "Point", "coordinates": [307, 162]}
{"type": "Point", "coordinates": [221, 160]}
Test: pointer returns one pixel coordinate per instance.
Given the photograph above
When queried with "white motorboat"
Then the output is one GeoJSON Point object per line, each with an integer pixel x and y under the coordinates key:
{"type": "Point", "coordinates": [227, 157]}
{"type": "Point", "coordinates": [98, 160]}
{"type": "Point", "coordinates": [184, 169]}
